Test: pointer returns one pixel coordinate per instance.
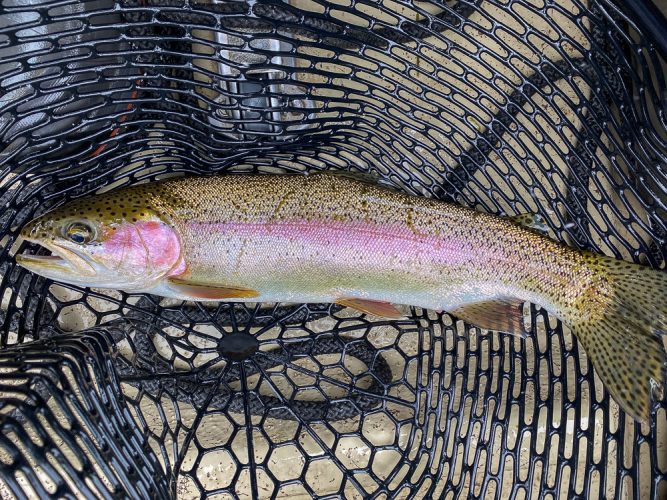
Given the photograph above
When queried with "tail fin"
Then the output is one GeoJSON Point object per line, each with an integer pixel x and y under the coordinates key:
{"type": "Point", "coordinates": [618, 323]}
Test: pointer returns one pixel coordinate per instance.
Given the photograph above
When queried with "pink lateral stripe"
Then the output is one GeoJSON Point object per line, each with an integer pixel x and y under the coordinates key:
{"type": "Point", "coordinates": [395, 240]}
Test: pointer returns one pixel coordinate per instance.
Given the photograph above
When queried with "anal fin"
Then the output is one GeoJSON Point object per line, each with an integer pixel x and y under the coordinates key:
{"type": "Point", "coordinates": [210, 292]}
{"type": "Point", "coordinates": [503, 315]}
{"type": "Point", "coordinates": [375, 307]}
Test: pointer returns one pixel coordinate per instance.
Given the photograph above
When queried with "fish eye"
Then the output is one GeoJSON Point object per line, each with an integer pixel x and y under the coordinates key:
{"type": "Point", "coordinates": [79, 233]}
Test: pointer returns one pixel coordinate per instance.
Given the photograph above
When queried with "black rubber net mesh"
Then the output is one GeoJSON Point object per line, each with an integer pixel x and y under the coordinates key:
{"type": "Point", "coordinates": [554, 108]}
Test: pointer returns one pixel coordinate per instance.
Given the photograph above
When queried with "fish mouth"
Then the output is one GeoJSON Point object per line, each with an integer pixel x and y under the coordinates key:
{"type": "Point", "coordinates": [59, 263]}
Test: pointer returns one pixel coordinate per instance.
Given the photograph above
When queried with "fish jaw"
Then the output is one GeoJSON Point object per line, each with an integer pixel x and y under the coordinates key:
{"type": "Point", "coordinates": [63, 264]}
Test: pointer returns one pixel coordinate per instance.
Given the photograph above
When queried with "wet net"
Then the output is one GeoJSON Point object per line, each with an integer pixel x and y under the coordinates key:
{"type": "Point", "coordinates": [555, 108]}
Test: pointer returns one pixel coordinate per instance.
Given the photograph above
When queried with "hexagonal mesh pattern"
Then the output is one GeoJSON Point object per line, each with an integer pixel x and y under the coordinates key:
{"type": "Point", "coordinates": [509, 107]}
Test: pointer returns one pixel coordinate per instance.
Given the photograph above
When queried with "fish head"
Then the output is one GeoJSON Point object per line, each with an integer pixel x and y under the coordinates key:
{"type": "Point", "coordinates": [107, 241]}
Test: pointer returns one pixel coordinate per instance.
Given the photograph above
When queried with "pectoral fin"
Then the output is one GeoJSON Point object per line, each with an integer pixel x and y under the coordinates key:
{"type": "Point", "coordinates": [377, 308]}
{"type": "Point", "coordinates": [210, 292]}
{"type": "Point", "coordinates": [500, 315]}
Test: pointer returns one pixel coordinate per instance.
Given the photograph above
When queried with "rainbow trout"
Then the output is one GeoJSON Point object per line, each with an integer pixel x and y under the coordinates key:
{"type": "Point", "coordinates": [331, 238]}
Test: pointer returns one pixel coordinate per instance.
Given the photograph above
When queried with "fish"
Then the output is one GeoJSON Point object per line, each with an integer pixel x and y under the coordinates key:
{"type": "Point", "coordinates": [327, 238]}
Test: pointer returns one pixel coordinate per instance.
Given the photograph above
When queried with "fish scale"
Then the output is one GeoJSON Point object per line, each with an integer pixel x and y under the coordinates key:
{"type": "Point", "coordinates": [331, 238]}
{"type": "Point", "coordinates": [423, 243]}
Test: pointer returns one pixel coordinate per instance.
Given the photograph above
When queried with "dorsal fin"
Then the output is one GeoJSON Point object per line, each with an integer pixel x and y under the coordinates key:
{"type": "Point", "coordinates": [534, 222]}
{"type": "Point", "coordinates": [365, 177]}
